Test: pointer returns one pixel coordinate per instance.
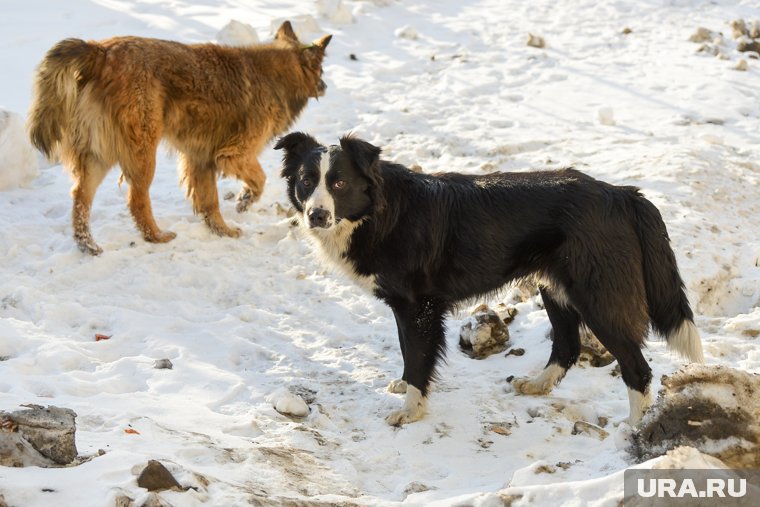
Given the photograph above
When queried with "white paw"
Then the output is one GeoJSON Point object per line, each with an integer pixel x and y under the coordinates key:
{"type": "Point", "coordinates": [543, 384]}
{"type": "Point", "coordinates": [414, 408]}
{"type": "Point", "coordinates": [529, 386]}
{"type": "Point", "coordinates": [397, 386]}
{"type": "Point", "coordinates": [403, 416]}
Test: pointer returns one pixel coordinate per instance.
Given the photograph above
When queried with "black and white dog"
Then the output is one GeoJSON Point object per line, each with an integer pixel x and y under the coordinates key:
{"type": "Point", "coordinates": [422, 243]}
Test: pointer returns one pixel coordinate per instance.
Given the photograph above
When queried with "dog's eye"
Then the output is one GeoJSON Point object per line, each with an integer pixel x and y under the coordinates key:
{"type": "Point", "coordinates": [306, 183]}
{"type": "Point", "coordinates": [339, 184]}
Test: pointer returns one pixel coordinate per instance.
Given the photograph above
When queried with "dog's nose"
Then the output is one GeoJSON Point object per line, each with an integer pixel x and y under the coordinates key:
{"type": "Point", "coordinates": [318, 217]}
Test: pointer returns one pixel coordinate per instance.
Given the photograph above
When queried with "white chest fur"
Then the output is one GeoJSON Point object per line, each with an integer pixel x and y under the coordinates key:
{"type": "Point", "coordinates": [331, 246]}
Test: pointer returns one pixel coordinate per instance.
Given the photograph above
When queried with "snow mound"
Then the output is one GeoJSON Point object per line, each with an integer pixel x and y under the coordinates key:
{"type": "Point", "coordinates": [18, 160]}
{"type": "Point", "coordinates": [305, 26]}
{"type": "Point", "coordinates": [288, 403]}
{"type": "Point", "coordinates": [236, 33]}
{"type": "Point", "coordinates": [335, 11]}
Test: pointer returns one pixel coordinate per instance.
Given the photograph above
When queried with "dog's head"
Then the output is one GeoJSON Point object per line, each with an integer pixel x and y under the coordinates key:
{"type": "Point", "coordinates": [329, 184]}
{"type": "Point", "coordinates": [311, 56]}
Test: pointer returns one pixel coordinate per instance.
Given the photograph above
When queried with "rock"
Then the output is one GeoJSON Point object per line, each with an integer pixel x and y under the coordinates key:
{"type": "Point", "coordinates": [483, 334]}
{"type": "Point", "coordinates": [123, 501]}
{"type": "Point", "coordinates": [592, 430]}
{"type": "Point", "coordinates": [15, 451]}
{"type": "Point", "coordinates": [748, 45]}
{"type": "Point", "coordinates": [741, 65]}
{"type": "Point", "coordinates": [163, 364]}
{"type": "Point", "coordinates": [236, 33]}
{"type": "Point", "coordinates": [738, 28]}
{"type": "Point", "coordinates": [592, 350]}
{"type": "Point", "coordinates": [536, 41]}
{"type": "Point", "coordinates": [155, 477]}
{"type": "Point", "coordinates": [714, 409]}
{"type": "Point", "coordinates": [702, 34]}
{"type": "Point", "coordinates": [754, 31]}
{"type": "Point", "coordinates": [415, 487]}
{"type": "Point", "coordinates": [154, 500]}
{"type": "Point", "coordinates": [626, 31]}
{"type": "Point", "coordinates": [49, 431]}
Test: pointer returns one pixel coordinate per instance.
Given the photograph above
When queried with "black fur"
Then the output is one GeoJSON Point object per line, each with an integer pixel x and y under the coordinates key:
{"type": "Point", "coordinates": [600, 252]}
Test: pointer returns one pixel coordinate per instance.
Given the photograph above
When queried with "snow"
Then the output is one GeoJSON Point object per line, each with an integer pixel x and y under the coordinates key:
{"type": "Point", "coordinates": [288, 403]}
{"type": "Point", "coordinates": [242, 318]}
{"type": "Point", "coordinates": [236, 33]}
{"type": "Point", "coordinates": [18, 160]}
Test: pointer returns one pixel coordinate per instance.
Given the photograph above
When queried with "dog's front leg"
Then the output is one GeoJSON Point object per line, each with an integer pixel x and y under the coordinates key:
{"type": "Point", "coordinates": [421, 334]}
{"type": "Point", "coordinates": [399, 386]}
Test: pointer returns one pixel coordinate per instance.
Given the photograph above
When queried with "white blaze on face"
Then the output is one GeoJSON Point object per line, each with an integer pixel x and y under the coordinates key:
{"type": "Point", "coordinates": [321, 197]}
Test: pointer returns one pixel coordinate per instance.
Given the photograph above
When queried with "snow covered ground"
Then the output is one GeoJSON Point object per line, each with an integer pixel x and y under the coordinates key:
{"type": "Point", "coordinates": [448, 85]}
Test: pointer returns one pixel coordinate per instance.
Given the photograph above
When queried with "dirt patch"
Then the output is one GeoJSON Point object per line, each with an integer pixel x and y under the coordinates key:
{"type": "Point", "coordinates": [714, 409]}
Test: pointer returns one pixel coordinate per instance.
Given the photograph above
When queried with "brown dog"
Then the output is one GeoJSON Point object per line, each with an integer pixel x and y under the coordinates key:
{"type": "Point", "coordinates": [97, 104]}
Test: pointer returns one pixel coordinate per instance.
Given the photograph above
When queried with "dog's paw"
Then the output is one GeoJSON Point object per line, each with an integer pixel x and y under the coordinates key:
{"type": "Point", "coordinates": [245, 198]}
{"type": "Point", "coordinates": [526, 385]}
{"type": "Point", "coordinates": [543, 384]}
{"type": "Point", "coordinates": [161, 237]}
{"type": "Point", "coordinates": [397, 386]}
{"type": "Point", "coordinates": [414, 408]}
{"type": "Point", "coordinates": [87, 245]}
{"type": "Point", "coordinates": [404, 416]}
{"type": "Point", "coordinates": [222, 229]}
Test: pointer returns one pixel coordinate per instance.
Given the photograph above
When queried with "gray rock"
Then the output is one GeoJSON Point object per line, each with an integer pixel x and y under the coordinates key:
{"type": "Point", "coordinates": [163, 364]}
{"type": "Point", "coordinates": [15, 451]}
{"type": "Point", "coordinates": [49, 431]}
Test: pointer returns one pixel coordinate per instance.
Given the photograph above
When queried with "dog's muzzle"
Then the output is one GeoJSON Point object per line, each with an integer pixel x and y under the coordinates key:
{"type": "Point", "coordinates": [319, 217]}
{"type": "Point", "coordinates": [321, 88]}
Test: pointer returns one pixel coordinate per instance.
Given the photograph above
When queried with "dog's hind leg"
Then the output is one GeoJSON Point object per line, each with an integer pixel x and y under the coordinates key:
{"type": "Point", "coordinates": [200, 179]}
{"type": "Point", "coordinates": [138, 169]}
{"type": "Point", "coordinates": [623, 338]}
{"type": "Point", "coordinates": [88, 172]}
{"type": "Point", "coordinates": [423, 331]}
{"type": "Point", "coordinates": [566, 345]}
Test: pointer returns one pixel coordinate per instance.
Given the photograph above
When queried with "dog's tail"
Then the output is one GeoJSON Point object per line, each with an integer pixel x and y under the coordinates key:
{"type": "Point", "coordinates": [66, 68]}
{"type": "Point", "coordinates": [669, 309]}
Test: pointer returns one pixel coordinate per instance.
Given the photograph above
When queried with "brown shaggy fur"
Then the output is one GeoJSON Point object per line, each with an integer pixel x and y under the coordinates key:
{"type": "Point", "coordinates": [97, 104]}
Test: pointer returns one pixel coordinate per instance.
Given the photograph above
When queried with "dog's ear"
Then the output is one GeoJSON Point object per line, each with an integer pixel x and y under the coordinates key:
{"type": "Point", "coordinates": [286, 33]}
{"type": "Point", "coordinates": [322, 42]}
{"type": "Point", "coordinates": [296, 145]}
{"type": "Point", "coordinates": [314, 54]}
{"type": "Point", "coordinates": [366, 157]}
